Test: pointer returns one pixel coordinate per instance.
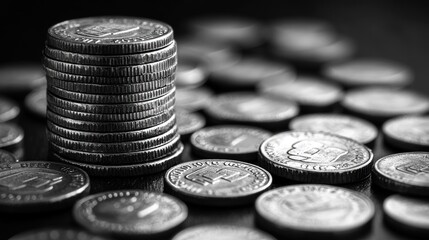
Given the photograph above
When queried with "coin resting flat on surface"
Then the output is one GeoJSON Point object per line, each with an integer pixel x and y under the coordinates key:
{"type": "Point", "coordinates": [36, 102]}
{"type": "Point", "coordinates": [21, 77]}
{"type": "Point", "coordinates": [221, 232]}
{"type": "Point", "coordinates": [130, 213]}
{"type": "Point", "coordinates": [217, 182]}
{"type": "Point", "coordinates": [7, 157]}
{"type": "Point", "coordinates": [404, 173]}
{"type": "Point", "coordinates": [10, 135]}
{"type": "Point", "coordinates": [56, 234]}
{"type": "Point", "coordinates": [9, 110]}
{"type": "Point", "coordinates": [315, 157]}
{"type": "Point", "coordinates": [408, 133]}
{"type": "Point", "coordinates": [189, 122]}
{"type": "Point", "coordinates": [312, 210]}
{"type": "Point", "coordinates": [193, 99]}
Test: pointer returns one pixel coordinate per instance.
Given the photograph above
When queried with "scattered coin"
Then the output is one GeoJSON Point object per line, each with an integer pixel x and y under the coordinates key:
{"type": "Point", "coordinates": [315, 157]}
{"type": "Point", "coordinates": [380, 104]}
{"type": "Point", "coordinates": [407, 213]}
{"type": "Point", "coordinates": [408, 133]}
{"type": "Point", "coordinates": [10, 135]}
{"type": "Point", "coordinates": [369, 72]}
{"type": "Point", "coordinates": [56, 234]}
{"type": "Point", "coordinates": [9, 110]}
{"type": "Point", "coordinates": [404, 173]}
{"type": "Point", "coordinates": [7, 157]}
{"type": "Point", "coordinates": [36, 102]}
{"type": "Point", "coordinates": [228, 142]}
{"type": "Point", "coordinates": [21, 77]}
{"type": "Point", "coordinates": [191, 72]}
{"type": "Point", "coordinates": [344, 125]}
{"type": "Point", "coordinates": [217, 182]}
{"type": "Point", "coordinates": [39, 186]}
{"type": "Point", "coordinates": [308, 210]}
{"type": "Point", "coordinates": [130, 213]}
{"type": "Point", "coordinates": [221, 232]}
{"type": "Point", "coordinates": [192, 99]}
{"type": "Point", "coordinates": [251, 109]}
{"type": "Point", "coordinates": [189, 123]}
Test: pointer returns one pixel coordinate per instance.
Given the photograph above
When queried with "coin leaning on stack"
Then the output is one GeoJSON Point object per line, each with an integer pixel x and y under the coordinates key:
{"type": "Point", "coordinates": [111, 95]}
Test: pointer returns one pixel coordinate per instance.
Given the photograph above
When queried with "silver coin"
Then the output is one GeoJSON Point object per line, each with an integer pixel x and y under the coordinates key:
{"type": "Point", "coordinates": [221, 232]}
{"type": "Point", "coordinates": [7, 157]}
{"type": "Point", "coordinates": [189, 123]}
{"type": "Point", "coordinates": [56, 234]}
{"type": "Point", "coordinates": [10, 135]}
{"type": "Point", "coordinates": [217, 182]}
{"type": "Point", "coordinates": [408, 213]}
{"type": "Point", "coordinates": [369, 72]}
{"type": "Point", "coordinates": [308, 92]}
{"type": "Point", "coordinates": [408, 133]}
{"type": "Point", "coordinates": [9, 110]}
{"type": "Point", "coordinates": [313, 210]}
{"type": "Point", "coordinates": [406, 173]}
{"type": "Point", "coordinates": [252, 109]}
{"type": "Point", "coordinates": [316, 157]}
{"type": "Point", "coordinates": [191, 72]}
{"type": "Point", "coordinates": [21, 77]}
{"type": "Point", "coordinates": [192, 99]}
{"type": "Point", "coordinates": [344, 125]}
{"type": "Point", "coordinates": [130, 213]}
{"type": "Point", "coordinates": [229, 142]}
{"type": "Point", "coordinates": [36, 101]}
{"type": "Point", "coordinates": [40, 186]}
{"type": "Point", "coordinates": [380, 104]}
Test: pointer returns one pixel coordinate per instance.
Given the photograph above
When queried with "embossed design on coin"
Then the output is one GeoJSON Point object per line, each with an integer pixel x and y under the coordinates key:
{"type": "Point", "coordinates": [36, 101]}
{"type": "Point", "coordinates": [315, 157]}
{"type": "Point", "coordinates": [38, 186]}
{"type": "Point", "coordinates": [230, 142]}
{"type": "Point", "coordinates": [221, 232]}
{"type": "Point", "coordinates": [10, 135]}
{"type": "Point", "coordinates": [56, 234]}
{"type": "Point", "coordinates": [311, 209]}
{"type": "Point", "coordinates": [403, 172]}
{"type": "Point", "coordinates": [7, 157]}
{"type": "Point", "coordinates": [217, 182]}
{"type": "Point", "coordinates": [130, 213]}
{"type": "Point", "coordinates": [8, 110]}
{"type": "Point", "coordinates": [408, 133]}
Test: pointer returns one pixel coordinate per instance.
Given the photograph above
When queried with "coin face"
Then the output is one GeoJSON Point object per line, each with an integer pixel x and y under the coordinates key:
{"type": "Point", "coordinates": [410, 132]}
{"type": "Point", "coordinates": [130, 213]}
{"type": "Point", "coordinates": [56, 234]}
{"type": "Point", "coordinates": [313, 209]}
{"type": "Point", "coordinates": [408, 211]}
{"type": "Point", "coordinates": [233, 142]}
{"type": "Point", "coordinates": [36, 101]}
{"type": "Point", "coordinates": [315, 156]}
{"type": "Point", "coordinates": [221, 232]}
{"type": "Point", "coordinates": [38, 186]}
{"type": "Point", "coordinates": [217, 182]}
{"type": "Point", "coordinates": [188, 122]}
{"type": "Point", "coordinates": [343, 125]}
{"type": "Point", "coordinates": [10, 134]}
{"type": "Point", "coordinates": [8, 110]}
{"type": "Point", "coordinates": [7, 157]}
{"type": "Point", "coordinates": [404, 172]}
{"type": "Point", "coordinates": [21, 78]}
{"type": "Point", "coordinates": [369, 72]}
{"type": "Point", "coordinates": [192, 99]}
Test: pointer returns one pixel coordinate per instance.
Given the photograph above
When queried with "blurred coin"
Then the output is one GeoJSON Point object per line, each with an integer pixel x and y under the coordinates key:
{"type": "Point", "coordinates": [191, 72]}
{"type": "Point", "coordinates": [380, 104]}
{"type": "Point", "coordinates": [369, 72]}
{"type": "Point", "coordinates": [228, 142]}
{"type": "Point", "coordinates": [315, 157]}
{"type": "Point", "coordinates": [311, 93]}
{"type": "Point", "coordinates": [130, 213]}
{"type": "Point", "coordinates": [310, 210]}
{"type": "Point", "coordinates": [110, 35]}
{"type": "Point", "coordinates": [193, 99]}
{"type": "Point", "coordinates": [188, 123]}
{"type": "Point", "coordinates": [40, 186]}
{"type": "Point", "coordinates": [221, 232]}
{"type": "Point", "coordinates": [404, 173]}
{"type": "Point", "coordinates": [36, 102]}
{"type": "Point", "coordinates": [407, 213]}
{"type": "Point", "coordinates": [21, 77]}
{"type": "Point", "coordinates": [7, 157]}
{"type": "Point", "coordinates": [9, 110]}
{"type": "Point", "coordinates": [56, 234]}
{"type": "Point", "coordinates": [408, 133]}
{"type": "Point", "coordinates": [347, 126]}
{"type": "Point", "coordinates": [251, 109]}
{"type": "Point", "coordinates": [10, 135]}
{"type": "Point", "coordinates": [217, 182]}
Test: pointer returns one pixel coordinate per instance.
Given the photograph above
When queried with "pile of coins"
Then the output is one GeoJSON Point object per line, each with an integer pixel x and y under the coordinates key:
{"type": "Point", "coordinates": [111, 95]}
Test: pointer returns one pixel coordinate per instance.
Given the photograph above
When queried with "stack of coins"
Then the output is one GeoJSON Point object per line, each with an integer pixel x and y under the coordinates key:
{"type": "Point", "coordinates": [111, 95]}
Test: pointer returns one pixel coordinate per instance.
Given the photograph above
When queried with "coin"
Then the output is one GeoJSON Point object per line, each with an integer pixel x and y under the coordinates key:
{"type": "Point", "coordinates": [38, 186]}
{"type": "Point", "coordinates": [407, 213]}
{"type": "Point", "coordinates": [36, 102]}
{"type": "Point", "coordinates": [10, 135]}
{"type": "Point", "coordinates": [251, 109]}
{"type": "Point", "coordinates": [369, 72]}
{"type": "Point", "coordinates": [310, 93]}
{"type": "Point", "coordinates": [192, 99]}
{"type": "Point", "coordinates": [229, 142]}
{"type": "Point", "coordinates": [315, 157]}
{"type": "Point", "coordinates": [138, 169]}
{"type": "Point", "coordinates": [21, 77]}
{"type": "Point", "coordinates": [217, 182]}
{"type": "Point", "coordinates": [311, 210]}
{"type": "Point", "coordinates": [110, 35]}
{"type": "Point", "coordinates": [221, 232]}
{"type": "Point", "coordinates": [191, 72]}
{"type": "Point", "coordinates": [9, 110]}
{"type": "Point", "coordinates": [403, 172]}
{"type": "Point", "coordinates": [7, 157]}
{"type": "Point", "coordinates": [408, 133]}
{"type": "Point", "coordinates": [344, 125]}
{"type": "Point", "coordinates": [112, 60]}
{"type": "Point", "coordinates": [188, 123]}
{"type": "Point", "coordinates": [380, 104]}
{"type": "Point", "coordinates": [56, 234]}
{"type": "Point", "coordinates": [130, 213]}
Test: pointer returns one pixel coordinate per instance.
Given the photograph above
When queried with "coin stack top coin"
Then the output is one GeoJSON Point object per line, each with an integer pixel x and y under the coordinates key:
{"type": "Point", "coordinates": [111, 95]}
